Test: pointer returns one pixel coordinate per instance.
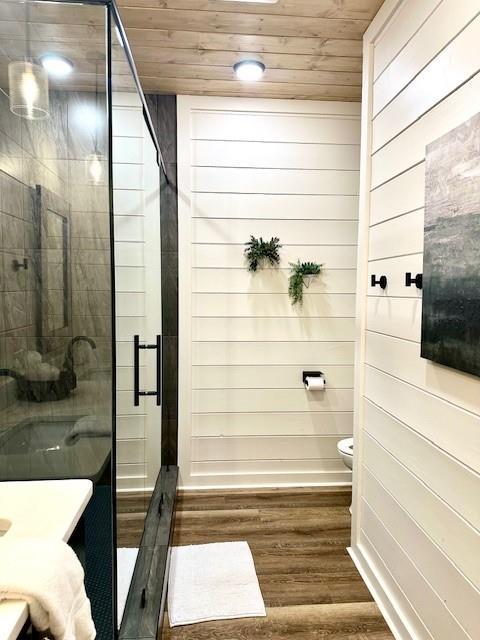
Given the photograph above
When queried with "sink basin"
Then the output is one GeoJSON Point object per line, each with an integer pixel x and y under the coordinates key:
{"type": "Point", "coordinates": [38, 435]}
{"type": "Point", "coordinates": [54, 448]}
{"type": "Point", "coordinates": [4, 526]}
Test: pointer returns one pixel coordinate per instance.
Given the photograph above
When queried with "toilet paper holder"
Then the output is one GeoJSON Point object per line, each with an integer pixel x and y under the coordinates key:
{"type": "Point", "coordinates": [312, 374]}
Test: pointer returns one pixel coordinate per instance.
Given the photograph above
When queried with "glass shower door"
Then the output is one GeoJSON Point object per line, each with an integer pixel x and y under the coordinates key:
{"type": "Point", "coordinates": [136, 199]}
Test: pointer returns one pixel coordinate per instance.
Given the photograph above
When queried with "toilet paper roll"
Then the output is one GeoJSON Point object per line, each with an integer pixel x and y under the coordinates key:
{"type": "Point", "coordinates": [314, 383]}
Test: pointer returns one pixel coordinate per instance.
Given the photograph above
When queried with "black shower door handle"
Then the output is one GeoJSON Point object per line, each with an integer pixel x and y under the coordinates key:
{"type": "Point", "coordinates": [136, 370]}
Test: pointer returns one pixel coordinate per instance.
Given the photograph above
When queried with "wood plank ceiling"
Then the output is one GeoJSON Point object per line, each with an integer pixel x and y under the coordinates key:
{"type": "Point", "coordinates": [312, 49]}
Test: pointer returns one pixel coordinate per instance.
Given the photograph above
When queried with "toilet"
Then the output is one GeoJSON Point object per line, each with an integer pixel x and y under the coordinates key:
{"type": "Point", "coordinates": [345, 449]}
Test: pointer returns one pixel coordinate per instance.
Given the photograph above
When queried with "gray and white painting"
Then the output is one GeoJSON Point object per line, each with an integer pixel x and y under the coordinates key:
{"type": "Point", "coordinates": [451, 263]}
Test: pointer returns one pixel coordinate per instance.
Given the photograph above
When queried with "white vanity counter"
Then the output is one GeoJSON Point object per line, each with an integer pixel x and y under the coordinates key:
{"type": "Point", "coordinates": [38, 508]}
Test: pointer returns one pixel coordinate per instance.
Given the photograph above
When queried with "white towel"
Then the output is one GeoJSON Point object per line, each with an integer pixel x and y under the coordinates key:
{"type": "Point", "coordinates": [47, 574]}
{"type": "Point", "coordinates": [126, 559]}
{"type": "Point", "coordinates": [213, 582]}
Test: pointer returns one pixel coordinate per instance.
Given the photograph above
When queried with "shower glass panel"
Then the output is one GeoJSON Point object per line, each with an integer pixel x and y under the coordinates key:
{"type": "Point", "coordinates": [136, 207]}
{"type": "Point", "coordinates": [56, 392]}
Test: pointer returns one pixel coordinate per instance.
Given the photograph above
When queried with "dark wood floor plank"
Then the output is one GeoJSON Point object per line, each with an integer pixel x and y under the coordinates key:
{"type": "Point", "coordinates": [353, 621]}
{"type": "Point", "coordinates": [246, 498]}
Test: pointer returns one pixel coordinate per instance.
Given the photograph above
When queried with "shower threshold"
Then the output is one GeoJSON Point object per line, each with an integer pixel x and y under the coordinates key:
{"type": "Point", "coordinates": [145, 603]}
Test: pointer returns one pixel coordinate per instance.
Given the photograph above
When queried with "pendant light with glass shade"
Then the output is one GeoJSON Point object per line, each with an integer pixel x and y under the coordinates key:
{"type": "Point", "coordinates": [28, 83]}
{"type": "Point", "coordinates": [95, 162]}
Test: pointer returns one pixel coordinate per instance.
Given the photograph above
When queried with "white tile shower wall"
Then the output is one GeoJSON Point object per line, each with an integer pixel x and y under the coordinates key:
{"type": "Point", "coordinates": [417, 511]}
{"type": "Point", "coordinates": [265, 168]}
{"type": "Point", "coordinates": [135, 198]}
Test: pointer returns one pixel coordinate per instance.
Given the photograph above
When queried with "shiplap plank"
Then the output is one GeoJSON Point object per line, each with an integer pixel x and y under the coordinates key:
{"type": "Point", "coordinates": [397, 237]}
{"type": "Point", "coordinates": [265, 448]}
{"type": "Point", "coordinates": [272, 305]}
{"type": "Point", "coordinates": [456, 484]}
{"type": "Point", "coordinates": [129, 228]}
{"type": "Point", "coordinates": [130, 427]}
{"type": "Point", "coordinates": [406, 22]}
{"type": "Point", "coordinates": [266, 377]}
{"type": "Point", "coordinates": [266, 400]}
{"type": "Point", "coordinates": [129, 254]}
{"type": "Point", "coordinates": [447, 426]}
{"type": "Point", "coordinates": [205, 480]}
{"type": "Point", "coordinates": [269, 353]}
{"type": "Point", "coordinates": [230, 281]}
{"type": "Point", "coordinates": [430, 512]}
{"type": "Point", "coordinates": [128, 326]}
{"type": "Point", "coordinates": [275, 155]}
{"type": "Point", "coordinates": [130, 451]}
{"type": "Point", "coordinates": [408, 148]}
{"type": "Point", "coordinates": [124, 380]}
{"type": "Point", "coordinates": [207, 73]}
{"type": "Point", "coordinates": [310, 470]}
{"type": "Point", "coordinates": [246, 180]}
{"type": "Point", "coordinates": [402, 359]}
{"type": "Point", "coordinates": [458, 594]}
{"type": "Point", "coordinates": [177, 52]}
{"type": "Point", "coordinates": [127, 150]}
{"type": "Point", "coordinates": [233, 88]}
{"type": "Point", "coordinates": [237, 23]}
{"type": "Point", "coordinates": [436, 615]}
{"type": "Point", "coordinates": [272, 329]}
{"type": "Point", "coordinates": [211, 256]}
{"type": "Point", "coordinates": [446, 21]}
{"type": "Point", "coordinates": [206, 42]}
{"type": "Point", "coordinates": [399, 317]}
{"type": "Point", "coordinates": [454, 65]}
{"type": "Point", "coordinates": [307, 423]}
{"type": "Point", "coordinates": [398, 196]}
{"type": "Point", "coordinates": [395, 269]}
{"type": "Point", "coordinates": [274, 205]}
{"type": "Point", "coordinates": [324, 232]}
{"type": "Point", "coordinates": [275, 127]}
{"type": "Point", "coordinates": [129, 304]}
{"type": "Point", "coordinates": [128, 202]}
{"type": "Point", "coordinates": [347, 10]}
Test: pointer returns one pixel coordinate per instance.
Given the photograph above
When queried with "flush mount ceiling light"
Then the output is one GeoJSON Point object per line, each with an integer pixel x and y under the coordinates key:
{"type": "Point", "coordinates": [249, 70]}
{"type": "Point", "coordinates": [56, 65]}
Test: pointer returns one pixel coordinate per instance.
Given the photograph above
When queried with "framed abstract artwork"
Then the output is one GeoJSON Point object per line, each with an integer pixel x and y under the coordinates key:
{"type": "Point", "coordinates": [451, 262]}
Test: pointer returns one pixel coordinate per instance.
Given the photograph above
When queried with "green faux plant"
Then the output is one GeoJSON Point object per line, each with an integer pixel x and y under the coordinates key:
{"type": "Point", "coordinates": [301, 275]}
{"type": "Point", "coordinates": [258, 251]}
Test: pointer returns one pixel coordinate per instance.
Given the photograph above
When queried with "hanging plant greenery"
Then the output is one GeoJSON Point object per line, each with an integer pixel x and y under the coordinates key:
{"type": "Point", "coordinates": [259, 251]}
{"type": "Point", "coordinates": [302, 273]}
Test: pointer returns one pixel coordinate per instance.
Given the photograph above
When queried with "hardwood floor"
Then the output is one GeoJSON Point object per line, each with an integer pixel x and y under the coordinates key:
{"type": "Point", "coordinates": [131, 513]}
{"type": "Point", "coordinates": [298, 539]}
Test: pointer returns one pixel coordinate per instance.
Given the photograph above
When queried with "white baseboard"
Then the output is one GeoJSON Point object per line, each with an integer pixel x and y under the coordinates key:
{"type": "Point", "coordinates": [390, 612]}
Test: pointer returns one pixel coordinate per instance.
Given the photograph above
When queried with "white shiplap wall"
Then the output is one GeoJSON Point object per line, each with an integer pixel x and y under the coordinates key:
{"type": "Point", "coordinates": [416, 529]}
{"type": "Point", "coordinates": [265, 168]}
{"type": "Point", "coordinates": [136, 201]}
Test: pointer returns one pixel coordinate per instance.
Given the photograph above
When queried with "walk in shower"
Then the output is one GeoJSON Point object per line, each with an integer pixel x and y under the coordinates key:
{"type": "Point", "coordinates": [81, 183]}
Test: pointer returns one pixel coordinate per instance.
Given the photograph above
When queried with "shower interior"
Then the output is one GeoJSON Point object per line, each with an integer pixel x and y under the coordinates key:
{"type": "Point", "coordinates": [80, 202]}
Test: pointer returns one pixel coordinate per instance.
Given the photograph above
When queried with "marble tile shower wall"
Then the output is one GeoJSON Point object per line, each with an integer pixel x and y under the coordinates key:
{"type": "Point", "coordinates": [51, 153]}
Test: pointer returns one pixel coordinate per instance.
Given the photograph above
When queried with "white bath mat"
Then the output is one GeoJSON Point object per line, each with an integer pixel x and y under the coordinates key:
{"type": "Point", "coordinates": [126, 559]}
{"type": "Point", "coordinates": [213, 582]}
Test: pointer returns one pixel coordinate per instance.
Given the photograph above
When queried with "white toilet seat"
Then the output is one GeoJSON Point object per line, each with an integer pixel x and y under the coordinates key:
{"type": "Point", "coordinates": [345, 449]}
{"type": "Point", "coordinates": [346, 446]}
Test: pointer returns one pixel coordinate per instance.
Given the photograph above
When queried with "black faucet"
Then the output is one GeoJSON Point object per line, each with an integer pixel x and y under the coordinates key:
{"type": "Point", "coordinates": [67, 374]}
{"type": "Point", "coordinates": [69, 354]}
